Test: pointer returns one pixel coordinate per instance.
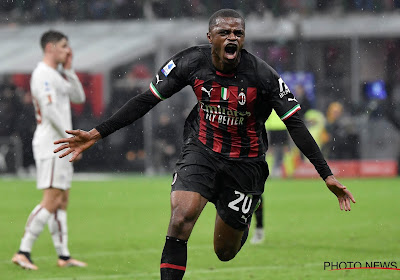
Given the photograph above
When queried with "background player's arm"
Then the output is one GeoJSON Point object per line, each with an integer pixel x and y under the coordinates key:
{"type": "Point", "coordinates": [75, 89]}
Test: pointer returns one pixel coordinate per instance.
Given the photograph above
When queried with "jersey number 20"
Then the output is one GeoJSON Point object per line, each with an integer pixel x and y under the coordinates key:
{"type": "Point", "coordinates": [246, 205]}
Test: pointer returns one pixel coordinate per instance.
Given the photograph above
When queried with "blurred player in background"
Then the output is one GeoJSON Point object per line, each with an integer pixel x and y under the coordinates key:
{"type": "Point", "coordinates": [278, 143]}
{"type": "Point", "coordinates": [223, 157]}
{"type": "Point", "coordinates": [278, 146]}
{"type": "Point", "coordinates": [52, 94]}
{"type": "Point", "coordinates": [259, 232]}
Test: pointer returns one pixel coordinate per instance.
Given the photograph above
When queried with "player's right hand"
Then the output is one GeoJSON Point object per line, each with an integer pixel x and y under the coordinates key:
{"type": "Point", "coordinates": [68, 61]}
{"type": "Point", "coordinates": [79, 142]}
{"type": "Point", "coordinates": [343, 195]}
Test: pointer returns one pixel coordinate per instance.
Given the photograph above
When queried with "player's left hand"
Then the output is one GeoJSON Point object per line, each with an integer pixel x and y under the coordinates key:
{"type": "Point", "coordinates": [343, 194]}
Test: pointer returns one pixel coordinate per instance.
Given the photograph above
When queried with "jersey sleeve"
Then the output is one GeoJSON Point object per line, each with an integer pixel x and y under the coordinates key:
{"type": "Point", "coordinates": [172, 76]}
{"type": "Point", "coordinates": [46, 91]}
{"type": "Point", "coordinates": [75, 89]}
{"type": "Point", "coordinates": [279, 95]}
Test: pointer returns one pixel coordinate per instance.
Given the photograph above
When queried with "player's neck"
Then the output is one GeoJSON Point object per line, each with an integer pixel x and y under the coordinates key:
{"type": "Point", "coordinates": [225, 67]}
{"type": "Point", "coordinates": [50, 62]}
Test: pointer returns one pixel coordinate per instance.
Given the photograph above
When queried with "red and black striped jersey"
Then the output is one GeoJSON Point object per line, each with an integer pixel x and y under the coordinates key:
{"type": "Point", "coordinates": [232, 108]}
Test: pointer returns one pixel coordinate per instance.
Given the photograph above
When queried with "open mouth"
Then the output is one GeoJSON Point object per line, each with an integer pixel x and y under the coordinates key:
{"type": "Point", "coordinates": [230, 51]}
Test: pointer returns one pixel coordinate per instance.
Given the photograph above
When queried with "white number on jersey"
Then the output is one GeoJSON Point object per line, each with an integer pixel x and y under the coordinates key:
{"type": "Point", "coordinates": [246, 205]}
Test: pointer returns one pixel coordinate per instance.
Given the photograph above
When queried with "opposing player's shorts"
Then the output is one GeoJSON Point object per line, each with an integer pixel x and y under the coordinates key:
{"type": "Point", "coordinates": [54, 172]}
{"type": "Point", "coordinates": [234, 186]}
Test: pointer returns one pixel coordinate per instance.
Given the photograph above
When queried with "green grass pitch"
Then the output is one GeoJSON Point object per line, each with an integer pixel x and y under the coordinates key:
{"type": "Point", "coordinates": [118, 226]}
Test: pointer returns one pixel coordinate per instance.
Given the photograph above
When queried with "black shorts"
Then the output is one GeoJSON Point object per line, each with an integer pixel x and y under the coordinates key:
{"type": "Point", "coordinates": [233, 186]}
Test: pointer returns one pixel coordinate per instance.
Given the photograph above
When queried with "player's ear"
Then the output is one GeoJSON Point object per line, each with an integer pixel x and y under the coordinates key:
{"type": "Point", "coordinates": [49, 47]}
{"type": "Point", "coordinates": [209, 37]}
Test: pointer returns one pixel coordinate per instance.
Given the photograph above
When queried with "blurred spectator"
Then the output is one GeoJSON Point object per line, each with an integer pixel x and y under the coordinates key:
{"type": "Point", "coordinates": [279, 56]}
{"type": "Point", "coordinates": [9, 104]}
{"type": "Point", "coordinates": [129, 142]}
{"type": "Point", "coordinates": [393, 114]}
{"type": "Point", "coordinates": [68, 10]}
{"type": "Point", "coordinates": [341, 136]}
{"type": "Point", "coordinates": [258, 8]}
{"type": "Point", "coordinates": [192, 8]}
{"type": "Point", "coordinates": [300, 94]}
{"type": "Point", "coordinates": [166, 144]}
{"type": "Point", "coordinates": [25, 128]}
{"type": "Point", "coordinates": [290, 6]}
{"type": "Point", "coordinates": [324, 5]}
{"type": "Point", "coordinates": [334, 61]}
{"type": "Point", "coordinates": [17, 124]}
{"type": "Point", "coordinates": [315, 122]}
{"type": "Point", "coordinates": [99, 9]}
{"type": "Point", "coordinates": [7, 6]}
{"type": "Point", "coordinates": [126, 9]}
{"type": "Point", "coordinates": [392, 105]}
{"type": "Point", "coordinates": [366, 5]}
{"type": "Point", "coordinates": [396, 4]}
{"type": "Point", "coordinates": [157, 9]}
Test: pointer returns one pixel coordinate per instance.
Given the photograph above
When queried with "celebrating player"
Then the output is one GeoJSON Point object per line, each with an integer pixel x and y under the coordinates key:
{"type": "Point", "coordinates": [52, 95]}
{"type": "Point", "coordinates": [222, 160]}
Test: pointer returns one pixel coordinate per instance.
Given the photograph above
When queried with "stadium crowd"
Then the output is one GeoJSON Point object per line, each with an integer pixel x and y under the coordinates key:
{"type": "Point", "coordinates": [24, 12]}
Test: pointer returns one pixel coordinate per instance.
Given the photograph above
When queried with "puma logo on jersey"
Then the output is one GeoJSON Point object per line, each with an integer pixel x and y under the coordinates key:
{"type": "Point", "coordinates": [207, 91]}
{"type": "Point", "coordinates": [158, 79]}
{"type": "Point", "coordinates": [292, 99]}
{"type": "Point", "coordinates": [244, 218]}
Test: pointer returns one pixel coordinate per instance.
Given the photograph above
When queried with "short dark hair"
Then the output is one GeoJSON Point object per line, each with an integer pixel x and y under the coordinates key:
{"type": "Point", "coordinates": [51, 36]}
{"type": "Point", "coordinates": [223, 13]}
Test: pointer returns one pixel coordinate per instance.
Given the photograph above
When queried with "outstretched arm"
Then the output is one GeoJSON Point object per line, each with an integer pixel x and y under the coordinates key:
{"type": "Point", "coordinates": [134, 109]}
{"type": "Point", "coordinates": [307, 145]}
